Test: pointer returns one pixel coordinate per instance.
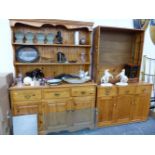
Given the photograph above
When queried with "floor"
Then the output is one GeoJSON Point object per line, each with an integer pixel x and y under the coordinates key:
{"type": "Point", "coordinates": [141, 128]}
{"type": "Point", "coordinates": [26, 125]}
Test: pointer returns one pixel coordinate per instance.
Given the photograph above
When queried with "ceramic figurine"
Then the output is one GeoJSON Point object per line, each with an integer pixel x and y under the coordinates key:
{"type": "Point", "coordinates": [123, 78]}
{"type": "Point", "coordinates": [58, 37]}
{"type": "Point", "coordinates": [106, 77]}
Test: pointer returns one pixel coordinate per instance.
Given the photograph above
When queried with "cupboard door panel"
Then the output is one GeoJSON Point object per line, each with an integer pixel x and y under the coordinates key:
{"type": "Point", "coordinates": [105, 110]}
{"type": "Point", "coordinates": [83, 118]}
{"type": "Point", "coordinates": [141, 107]}
{"type": "Point", "coordinates": [123, 108]}
{"type": "Point", "coordinates": [57, 114]}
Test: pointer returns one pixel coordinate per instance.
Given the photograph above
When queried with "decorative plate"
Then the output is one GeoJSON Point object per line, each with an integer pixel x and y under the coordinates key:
{"type": "Point", "coordinates": [27, 54]}
{"type": "Point", "coordinates": [76, 80]}
{"type": "Point", "coordinates": [54, 81]}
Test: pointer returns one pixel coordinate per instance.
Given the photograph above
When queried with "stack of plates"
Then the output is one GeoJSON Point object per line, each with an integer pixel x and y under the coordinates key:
{"type": "Point", "coordinates": [54, 81]}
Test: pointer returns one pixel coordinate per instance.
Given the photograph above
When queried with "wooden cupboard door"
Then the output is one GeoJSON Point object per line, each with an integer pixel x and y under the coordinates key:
{"type": "Point", "coordinates": [123, 108]}
{"type": "Point", "coordinates": [105, 107]}
{"type": "Point", "coordinates": [83, 113]}
{"type": "Point", "coordinates": [57, 114]}
{"type": "Point", "coordinates": [83, 118]}
{"type": "Point", "coordinates": [140, 108]}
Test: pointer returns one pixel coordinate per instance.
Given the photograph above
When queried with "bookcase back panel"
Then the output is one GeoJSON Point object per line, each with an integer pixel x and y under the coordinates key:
{"type": "Point", "coordinates": [115, 48]}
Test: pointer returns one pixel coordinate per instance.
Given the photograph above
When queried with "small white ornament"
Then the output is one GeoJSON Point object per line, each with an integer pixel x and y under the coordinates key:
{"type": "Point", "coordinates": [27, 81]}
{"type": "Point", "coordinates": [105, 78]}
{"type": "Point", "coordinates": [123, 77]}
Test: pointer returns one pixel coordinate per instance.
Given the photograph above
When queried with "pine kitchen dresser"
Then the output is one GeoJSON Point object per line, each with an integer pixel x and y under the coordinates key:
{"type": "Point", "coordinates": [73, 106]}
{"type": "Point", "coordinates": [64, 107]}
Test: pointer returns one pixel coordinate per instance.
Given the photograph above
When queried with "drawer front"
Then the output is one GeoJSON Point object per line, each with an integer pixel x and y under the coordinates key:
{"type": "Point", "coordinates": [83, 91]}
{"type": "Point", "coordinates": [56, 93]}
{"type": "Point", "coordinates": [143, 89]}
{"type": "Point", "coordinates": [125, 90]}
{"type": "Point", "coordinates": [26, 109]}
{"type": "Point", "coordinates": [106, 91]}
{"type": "Point", "coordinates": [83, 102]}
{"type": "Point", "coordinates": [26, 95]}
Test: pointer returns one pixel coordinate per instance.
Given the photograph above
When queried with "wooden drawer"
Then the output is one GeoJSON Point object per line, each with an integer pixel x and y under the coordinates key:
{"type": "Point", "coordinates": [56, 93]}
{"type": "Point", "coordinates": [83, 102]}
{"type": "Point", "coordinates": [125, 90]}
{"type": "Point", "coordinates": [26, 95]}
{"type": "Point", "coordinates": [83, 91]}
{"type": "Point", "coordinates": [143, 89]}
{"type": "Point", "coordinates": [106, 91]}
{"type": "Point", "coordinates": [26, 109]}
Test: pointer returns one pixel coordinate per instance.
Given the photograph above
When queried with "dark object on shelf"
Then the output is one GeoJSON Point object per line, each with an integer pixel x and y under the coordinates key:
{"type": "Point", "coordinates": [27, 54]}
{"type": "Point", "coordinates": [60, 76]}
{"type": "Point", "coordinates": [82, 41]}
{"type": "Point", "coordinates": [58, 38]}
{"type": "Point", "coordinates": [131, 70]}
{"type": "Point", "coordinates": [37, 73]}
{"type": "Point", "coordinates": [61, 58]}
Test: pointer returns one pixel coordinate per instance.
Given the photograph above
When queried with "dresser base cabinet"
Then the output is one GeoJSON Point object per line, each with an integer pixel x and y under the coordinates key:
{"type": "Point", "coordinates": [59, 108]}
{"type": "Point", "coordinates": [119, 105]}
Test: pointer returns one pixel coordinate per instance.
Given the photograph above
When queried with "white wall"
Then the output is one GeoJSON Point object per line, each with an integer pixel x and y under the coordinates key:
{"type": "Point", "coordinates": [6, 53]}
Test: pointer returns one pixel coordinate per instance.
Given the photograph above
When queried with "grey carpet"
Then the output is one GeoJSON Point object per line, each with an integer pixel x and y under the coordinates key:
{"type": "Point", "coordinates": [139, 128]}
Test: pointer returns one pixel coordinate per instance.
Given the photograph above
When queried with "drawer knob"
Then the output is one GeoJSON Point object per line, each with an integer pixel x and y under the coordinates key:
{"type": "Point", "coordinates": [27, 96]}
{"type": "Point", "coordinates": [144, 90]}
{"type": "Point", "coordinates": [56, 94]}
{"type": "Point", "coordinates": [83, 92]}
{"type": "Point", "coordinates": [127, 92]}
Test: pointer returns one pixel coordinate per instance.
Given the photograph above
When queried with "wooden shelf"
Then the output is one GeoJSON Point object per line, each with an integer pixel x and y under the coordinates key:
{"type": "Point", "coordinates": [49, 64]}
{"type": "Point", "coordinates": [54, 45]}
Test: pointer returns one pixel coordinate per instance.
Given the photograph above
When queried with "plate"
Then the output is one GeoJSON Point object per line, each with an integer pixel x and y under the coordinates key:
{"type": "Point", "coordinates": [121, 84]}
{"type": "Point", "coordinates": [75, 80]}
{"type": "Point", "coordinates": [27, 54]}
{"type": "Point", "coordinates": [54, 81]}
